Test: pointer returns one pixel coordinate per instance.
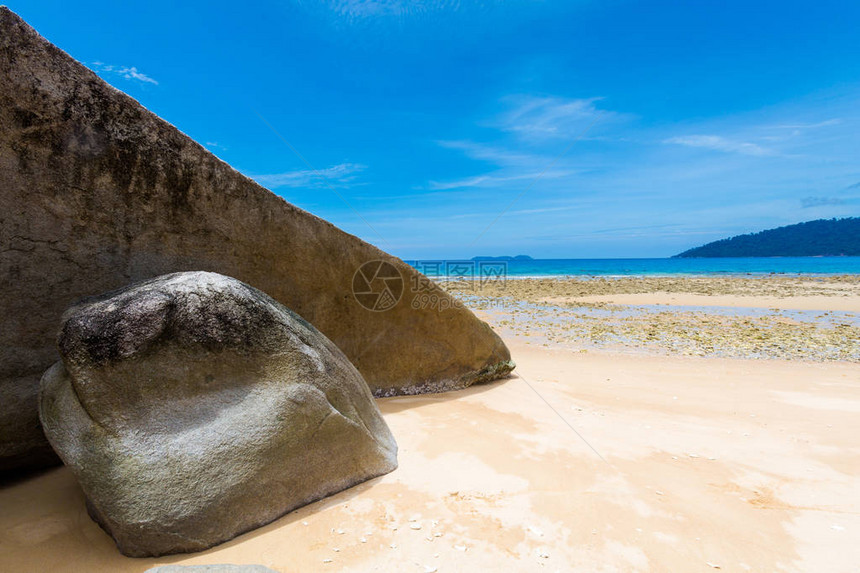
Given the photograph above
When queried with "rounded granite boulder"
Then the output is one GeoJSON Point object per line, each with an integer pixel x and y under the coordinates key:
{"type": "Point", "coordinates": [193, 407]}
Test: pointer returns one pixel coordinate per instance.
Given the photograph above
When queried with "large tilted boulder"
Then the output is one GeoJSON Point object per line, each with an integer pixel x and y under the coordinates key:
{"type": "Point", "coordinates": [97, 192]}
{"type": "Point", "coordinates": [193, 407]}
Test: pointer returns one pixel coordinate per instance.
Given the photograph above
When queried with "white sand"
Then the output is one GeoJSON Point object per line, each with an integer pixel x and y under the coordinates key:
{"type": "Point", "coordinates": [746, 465]}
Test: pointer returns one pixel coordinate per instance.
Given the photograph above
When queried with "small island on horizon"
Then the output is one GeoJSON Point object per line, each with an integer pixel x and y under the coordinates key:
{"type": "Point", "coordinates": [819, 238]}
{"type": "Point", "coordinates": [504, 258]}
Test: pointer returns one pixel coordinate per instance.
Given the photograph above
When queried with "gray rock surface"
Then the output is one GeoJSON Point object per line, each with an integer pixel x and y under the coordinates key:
{"type": "Point", "coordinates": [97, 192]}
{"type": "Point", "coordinates": [193, 407]}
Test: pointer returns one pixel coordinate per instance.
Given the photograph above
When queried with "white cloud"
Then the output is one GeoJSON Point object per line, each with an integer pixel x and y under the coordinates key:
{"type": "Point", "coordinates": [526, 147]}
{"type": "Point", "coordinates": [341, 175]}
{"type": "Point", "coordinates": [494, 180]}
{"type": "Point", "coordinates": [543, 210]}
{"type": "Point", "coordinates": [720, 143]}
{"type": "Point", "coordinates": [534, 117]}
{"type": "Point", "coordinates": [491, 154]}
{"type": "Point", "coordinates": [133, 74]}
{"type": "Point", "coordinates": [129, 73]}
{"type": "Point", "coordinates": [825, 123]}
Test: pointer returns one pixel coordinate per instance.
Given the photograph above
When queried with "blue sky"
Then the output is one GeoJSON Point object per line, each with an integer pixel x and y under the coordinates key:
{"type": "Point", "coordinates": [553, 129]}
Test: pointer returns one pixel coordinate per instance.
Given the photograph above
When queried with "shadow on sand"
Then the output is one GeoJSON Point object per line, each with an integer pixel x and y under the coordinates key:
{"type": "Point", "coordinates": [397, 404]}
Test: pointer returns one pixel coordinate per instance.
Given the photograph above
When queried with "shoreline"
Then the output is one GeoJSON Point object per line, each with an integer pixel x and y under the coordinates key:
{"type": "Point", "coordinates": [655, 275]}
{"type": "Point", "coordinates": [441, 269]}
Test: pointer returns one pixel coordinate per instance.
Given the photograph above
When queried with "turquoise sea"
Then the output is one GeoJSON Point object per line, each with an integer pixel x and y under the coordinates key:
{"type": "Point", "coordinates": [642, 267]}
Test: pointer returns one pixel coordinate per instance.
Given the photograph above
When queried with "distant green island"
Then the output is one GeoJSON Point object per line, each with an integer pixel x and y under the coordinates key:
{"type": "Point", "coordinates": [819, 238]}
{"type": "Point", "coordinates": [506, 258]}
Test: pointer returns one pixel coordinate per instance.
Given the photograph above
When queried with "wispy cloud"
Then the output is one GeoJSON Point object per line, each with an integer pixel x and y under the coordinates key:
{"type": "Point", "coordinates": [810, 202]}
{"type": "Point", "coordinates": [494, 180]}
{"type": "Point", "coordinates": [215, 145]}
{"type": "Point", "coordinates": [720, 143]}
{"type": "Point", "coordinates": [523, 141]}
{"type": "Point", "coordinates": [846, 196]}
{"type": "Point", "coordinates": [490, 153]}
{"type": "Point", "coordinates": [784, 132]}
{"type": "Point", "coordinates": [342, 175]}
{"type": "Point", "coordinates": [129, 73]}
{"type": "Point", "coordinates": [482, 214]}
{"type": "Point", "coordinates": [753, 171]}
{"type": "Point", "coordinates": [816, 125]}
{"type": "Point", "coordinates": [542, 210]}
{"type": "Point", "coordinates": [615, 230]}
{"type": "Point", "coordinates": [535, 117]}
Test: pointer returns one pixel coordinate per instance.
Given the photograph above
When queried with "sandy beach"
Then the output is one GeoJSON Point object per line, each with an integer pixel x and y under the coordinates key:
{"type": "Point", "coordinates": [614, 454]}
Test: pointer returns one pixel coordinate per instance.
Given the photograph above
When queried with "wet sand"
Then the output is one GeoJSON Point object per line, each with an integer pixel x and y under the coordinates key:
{"type": "Point", "coordinates": [822, 303]}
{"type": "Point", "coordinates": [794, 318]}
{"type": "Point", "coordinates": [603, 460]}
{"type": "Point", "coordinates": [572, 288]}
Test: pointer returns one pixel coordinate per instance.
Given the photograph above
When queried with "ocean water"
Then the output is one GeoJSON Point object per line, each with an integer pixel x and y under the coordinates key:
{"type": "Point", "coordinates": [642, 267]}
